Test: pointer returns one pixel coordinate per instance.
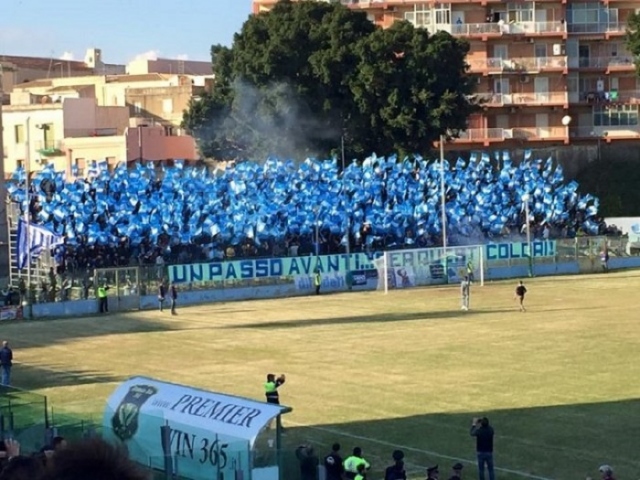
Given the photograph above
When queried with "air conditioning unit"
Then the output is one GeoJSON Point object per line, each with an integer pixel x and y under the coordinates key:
{"type": "Point", "coordinates": [557, 49]}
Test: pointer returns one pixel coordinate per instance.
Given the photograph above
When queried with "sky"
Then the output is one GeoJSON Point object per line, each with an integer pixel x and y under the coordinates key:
{"type": "Point", "coordinates": [122, 29]}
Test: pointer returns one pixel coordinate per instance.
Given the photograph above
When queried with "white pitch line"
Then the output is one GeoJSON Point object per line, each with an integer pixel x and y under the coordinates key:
{"type": "Point", "coordinates": [417, 450]}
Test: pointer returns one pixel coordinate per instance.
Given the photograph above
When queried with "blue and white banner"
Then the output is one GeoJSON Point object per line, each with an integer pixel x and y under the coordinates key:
{"type": "Point", "coordinates": [517, 250]}
{"type": "Point", "coordinates": [32, 241]}
{"type": "Point", "coordinates": [270, 267]}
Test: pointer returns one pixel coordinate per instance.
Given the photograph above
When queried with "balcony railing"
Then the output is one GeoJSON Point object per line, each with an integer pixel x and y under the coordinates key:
{"type": "Point", "coordinates": [532, 98]}
{"type": "Point", "coordinates": [623, 62]}
{"type": "Point", "coordinates": [518, 65]}
{"type": "Point", "coordinates": [521, 28]}
{"type": "Point", "coordinates": [620, 132]}
{"type": "Point", "coordinates": [614, 27]}
{"type": "Point", "coordinates": [501, 134]}
{"type": "Point", "coordinates": [49, 148]}
{"type": "Point", "coordinates": [611, 96]}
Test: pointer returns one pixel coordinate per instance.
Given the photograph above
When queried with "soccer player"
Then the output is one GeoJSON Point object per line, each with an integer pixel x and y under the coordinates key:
{"type": "Point", "coordinates": [521, 291]}
{"type": "Point", "coordinates": [465, 289]}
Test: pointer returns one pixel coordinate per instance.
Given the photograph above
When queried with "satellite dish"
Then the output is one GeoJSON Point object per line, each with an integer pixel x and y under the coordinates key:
{"type": "Point", "coordinates": [566, 120]}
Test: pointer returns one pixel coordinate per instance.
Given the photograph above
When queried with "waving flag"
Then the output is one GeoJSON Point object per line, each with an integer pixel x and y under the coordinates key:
{"type": "Point", "coordinates": [32, 241]}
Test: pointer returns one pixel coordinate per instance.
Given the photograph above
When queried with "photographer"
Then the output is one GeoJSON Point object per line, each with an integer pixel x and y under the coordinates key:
{"type": "Point", "coordinates": [483, 432]}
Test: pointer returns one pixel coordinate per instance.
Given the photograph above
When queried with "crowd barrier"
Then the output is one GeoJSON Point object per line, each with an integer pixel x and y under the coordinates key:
{"type": "Point", "coordinates": [261, 278]}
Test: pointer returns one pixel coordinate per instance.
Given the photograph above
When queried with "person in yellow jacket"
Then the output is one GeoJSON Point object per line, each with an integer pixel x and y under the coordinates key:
{"type": "Point", "coordinates": [103, 301]}
{"type": "Point", "coordinates": [317, 281]}
{"type": "Point", "coordinates": [361, 475]}
{"type": "Point", "coordinates": [352, 463]}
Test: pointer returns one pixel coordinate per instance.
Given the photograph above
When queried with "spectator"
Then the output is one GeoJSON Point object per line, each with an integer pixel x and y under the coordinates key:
{"type": "Point", "coordinates": [396, 471]}
{"type": "Point", "coordinates": [333, 463]}
{"type": "Point", "coordinates": [606, 472]}
{"type": "Point", "coordinates": [19, 467]}
{"type": "Point", "coordinates": [23, 468]}
{"type": "Point", "coordinates": [308, 462]}
{"type": "Point", "coordinates": [483, 432]}
{"type": "Point", "coordinates": [6, 363]}
{"type": "Point", "coordinates": [433, 473]}
{"type": "Point", "coordinates": [57, 444]}
{"type": "Point", "coordinates": [94, 459]}
{"type": "Point", "coordinates": [457, 472]}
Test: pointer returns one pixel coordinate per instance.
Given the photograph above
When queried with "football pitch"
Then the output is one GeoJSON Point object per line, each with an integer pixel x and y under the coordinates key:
{"type": "Point", "coordinates": [405, 370]}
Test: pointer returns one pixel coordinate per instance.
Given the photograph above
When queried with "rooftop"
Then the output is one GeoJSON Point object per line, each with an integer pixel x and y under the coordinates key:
{"type": "Point", "coordinates": [43, 63]}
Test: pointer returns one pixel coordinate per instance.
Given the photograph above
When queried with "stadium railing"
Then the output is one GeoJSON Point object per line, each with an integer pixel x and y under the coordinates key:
{"type": "Point", "coordinates": [584, 250]}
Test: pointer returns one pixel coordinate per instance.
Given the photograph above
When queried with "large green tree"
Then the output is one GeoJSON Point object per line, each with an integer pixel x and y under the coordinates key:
{"type": "Point", "coordinates": [633, 37]}
{"type": "Point", "coordinates": [305, 74]}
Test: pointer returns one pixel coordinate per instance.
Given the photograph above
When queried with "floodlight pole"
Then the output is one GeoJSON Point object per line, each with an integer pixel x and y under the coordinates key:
{"type": "Point", "coordinates": [528, 220]}
{"type": "Point", "coordinates": [5, 256]}
{"type": "Point", "coordinates": [27, 186]}
{"type": "Point", "coordinates": [443, 195]}
{"type": "Point", "coordinates": [348, 212]}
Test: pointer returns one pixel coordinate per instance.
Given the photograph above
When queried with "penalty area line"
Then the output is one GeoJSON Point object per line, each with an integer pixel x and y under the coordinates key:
{"type": "Point", "coordinates": [416, 450]}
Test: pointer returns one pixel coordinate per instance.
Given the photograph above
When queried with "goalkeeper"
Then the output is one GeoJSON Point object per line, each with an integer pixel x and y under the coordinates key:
{"type": "Point", "coordinates": [465, 290]}
{"type": "Point", "coordinates": [271, 388]}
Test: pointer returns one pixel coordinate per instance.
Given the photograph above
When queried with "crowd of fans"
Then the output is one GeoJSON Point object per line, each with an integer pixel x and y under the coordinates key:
{"type": "Point", "coordinates": [90, 459]}
{"type": "Point", "coordinates": [96, 459]}
{"type": "Point", "coordinates": [189, 214]}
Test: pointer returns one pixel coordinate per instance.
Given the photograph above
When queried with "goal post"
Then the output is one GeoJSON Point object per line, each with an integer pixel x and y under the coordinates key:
{"type": "Point", "coordinates": [429, 266]}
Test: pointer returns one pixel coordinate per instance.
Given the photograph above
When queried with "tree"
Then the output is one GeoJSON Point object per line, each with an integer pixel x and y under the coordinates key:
{"type": "Point", "coordinates": [305, 74]}
{"type": "Point", "coordinates": [633, 37]}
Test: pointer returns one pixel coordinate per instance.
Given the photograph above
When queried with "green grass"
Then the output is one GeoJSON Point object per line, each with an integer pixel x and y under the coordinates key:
{"type": "Point", "coordinates": [559, 383]}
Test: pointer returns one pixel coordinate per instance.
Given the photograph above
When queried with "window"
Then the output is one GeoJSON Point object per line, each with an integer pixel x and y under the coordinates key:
{"type": "Point", "coordinates": [589, 17]}
{"type": "Point", "coordinates": [420, 16]}
{"type": "Point", "coordinates": [519, 13]}
{"type": "Point", "coordinates": [49, 136]}
{"type": "Point", "coordinates": [137, 108]}
{"type": "Point", "coordinates": [615, 115]}
{"type": "Point", "coordinates": [19, 134]}
{"type": "Point", "coordinates": [80, 164]}
{"type": "Point", "coordinates": [167, 105]}
{"type": "Point", "coordinates": [540, 50]}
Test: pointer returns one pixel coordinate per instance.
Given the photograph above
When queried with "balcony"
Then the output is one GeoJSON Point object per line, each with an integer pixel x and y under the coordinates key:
{"type": "Point", "coordinates": [498, 29]}
{"type": "Point", "coordinates": [524, 99]}
{"type": "Point", "coordinates": [50, 148]}
{"type": "Point", "coordinates": [607, 133]}
{"type": "Point", "coordinates": [608, 64]}
{"type": "Point", "coordinates": [631, 97]}
{"type": "Point", "coordinates": [518, 65]}
{"type": "Point", "coordinates": [494, 135]}
{"type": "Point", "coordinates": [614, 28]}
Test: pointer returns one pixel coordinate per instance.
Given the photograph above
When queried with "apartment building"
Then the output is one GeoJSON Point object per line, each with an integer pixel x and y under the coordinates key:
{"type": "Point", "coordinates": [152, 98]}
{"type": "Point", "coordinates": [548, 72]}
{"type": "Point", "coordinates": [72, 132]}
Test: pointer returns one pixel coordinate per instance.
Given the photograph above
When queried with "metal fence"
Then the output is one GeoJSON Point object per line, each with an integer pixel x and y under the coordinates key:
{"type": "Point", "coordinates": [77, 285]}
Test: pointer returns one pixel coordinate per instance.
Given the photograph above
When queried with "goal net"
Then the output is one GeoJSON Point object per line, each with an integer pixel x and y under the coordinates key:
{"type": "Point", "coordinates": [429, 266]}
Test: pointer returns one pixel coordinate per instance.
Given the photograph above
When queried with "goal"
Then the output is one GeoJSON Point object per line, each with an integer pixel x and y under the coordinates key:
{"type": "Point", "coordinates": [429, 266]}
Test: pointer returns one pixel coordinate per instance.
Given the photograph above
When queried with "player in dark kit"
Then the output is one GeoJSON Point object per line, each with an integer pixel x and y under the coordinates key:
{"type": "Point", "coordinates": [521, 291]}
